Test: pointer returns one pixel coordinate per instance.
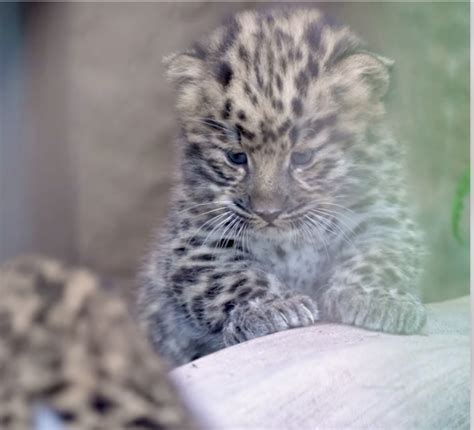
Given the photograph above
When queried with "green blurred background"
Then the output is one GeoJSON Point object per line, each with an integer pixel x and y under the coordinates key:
{"type": "Point", "coordinates": [87, 125]}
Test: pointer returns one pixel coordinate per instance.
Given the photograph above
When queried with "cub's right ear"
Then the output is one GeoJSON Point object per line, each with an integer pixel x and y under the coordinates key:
{"type": "Point", "coordinates": [184, 67]}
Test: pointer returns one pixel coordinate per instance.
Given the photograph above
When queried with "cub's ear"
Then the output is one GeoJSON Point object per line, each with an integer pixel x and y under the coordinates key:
{"type": "Point", "coordinates": [366, 75]}
{"type": "Point", "coordinates": [187, 72]}
{"type": "Point", "coordinates": [184, 67]}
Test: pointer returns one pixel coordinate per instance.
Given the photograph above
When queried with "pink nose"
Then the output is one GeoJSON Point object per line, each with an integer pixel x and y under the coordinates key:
{"type": "Point", "coordinates": [269, 216]}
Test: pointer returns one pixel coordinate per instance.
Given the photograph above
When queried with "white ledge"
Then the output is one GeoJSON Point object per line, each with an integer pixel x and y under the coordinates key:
{"type": "Point", "coordinates": [337, 377]}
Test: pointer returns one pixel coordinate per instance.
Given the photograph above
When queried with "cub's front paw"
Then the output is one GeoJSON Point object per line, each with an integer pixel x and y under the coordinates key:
{"type": "Point", "coordinates": [391, 310]}
{"type": "Point", "coordinates": [262, 318]}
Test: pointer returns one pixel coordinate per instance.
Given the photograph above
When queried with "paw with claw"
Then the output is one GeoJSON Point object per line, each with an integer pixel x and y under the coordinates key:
{"type": "Point", "coordinates": [262, 318]}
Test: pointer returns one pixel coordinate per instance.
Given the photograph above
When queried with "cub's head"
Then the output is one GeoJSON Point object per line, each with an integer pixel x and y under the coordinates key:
{"type": "Point", "coordinates": [275, 110]}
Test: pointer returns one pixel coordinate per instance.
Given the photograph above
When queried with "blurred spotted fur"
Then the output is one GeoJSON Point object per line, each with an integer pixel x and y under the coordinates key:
{"type": "Point", "coordinates": [72, 358]}
{"type": "Point", "coordinates": [290, 206]}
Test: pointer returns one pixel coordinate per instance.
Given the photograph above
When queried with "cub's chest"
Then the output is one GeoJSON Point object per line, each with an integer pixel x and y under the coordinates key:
{"type": "Point", "coordinates": [301, 266]}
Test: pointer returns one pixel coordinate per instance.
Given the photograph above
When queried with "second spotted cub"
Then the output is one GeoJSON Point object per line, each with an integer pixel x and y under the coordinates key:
{"type": "Point", "coordinates": [290, 206]}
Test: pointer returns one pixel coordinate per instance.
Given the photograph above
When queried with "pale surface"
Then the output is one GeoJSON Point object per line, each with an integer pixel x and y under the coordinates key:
{"type": "Point", "coordinates": [337, 377]}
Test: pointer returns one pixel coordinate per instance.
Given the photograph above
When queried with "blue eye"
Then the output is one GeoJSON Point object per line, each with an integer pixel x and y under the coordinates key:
{"type": "Point", "coordinates": [302, 158]}
{"type": "Point", "coordinates": [237, 157]}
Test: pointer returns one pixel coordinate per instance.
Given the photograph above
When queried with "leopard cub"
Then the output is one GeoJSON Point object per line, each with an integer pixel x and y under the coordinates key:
{"type": "Point", "coordinates": [72, 357]}
{"type": "Point", "coordinates": [290, 206]}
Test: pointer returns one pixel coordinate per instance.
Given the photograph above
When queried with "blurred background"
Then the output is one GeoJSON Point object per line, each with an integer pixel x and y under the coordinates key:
{"type": "Point", "coordinates": [87, 125]}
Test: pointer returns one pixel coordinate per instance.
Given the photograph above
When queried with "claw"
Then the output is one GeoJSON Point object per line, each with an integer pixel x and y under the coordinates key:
{"type": "Point", "coordinates": [310, 314]}
{"type": "Point", "coordinates": [284, 317]}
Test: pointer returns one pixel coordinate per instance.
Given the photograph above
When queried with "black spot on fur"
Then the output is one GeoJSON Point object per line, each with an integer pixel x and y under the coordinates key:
{"type": "Point", "coordinates": [267, 132]}
{"type": "Point", "coordinates": [214, 290]}
{"type": "Point", "coordinates": [241, 115]}
{"type": "Point", "coordinates": [258, 293]}
{"type": "Point", "coordinates": [198, 307]}
{"type": "Point", "coordinates": [236, 285]}
{"type": "Point", "coordinates": [228, 306]}
{"type": "Point", "coordinates": [244, 56]}
{"type": "Point", "coordinates": [238, 257]}
{"type": "Point", "coordinates": [313, 35]}
{"type": "Point", "coordinates": [244, 292]}
{"type": "Point", "coordinates": [280, 252]}
{"type": "Point", "coordinates": [223, 243]}
{"type": "Point", "coordinates": [49, 288]}
{"type": "Point", "coordinates": [244, 132]}
{"type": "Point", "coordinates": [227, 111]}
{"type": "Point", "coordinates": [291, 55]}
{"type": "Point", "coordinates": [193, 151]}
{"type": "Point", "coordinates": [144, 423]}
{"type": "Point", "coordinates": [203, 257]}
{"type": "Point", "coordinates": [261, 282]}
{"type": "Point", "coordinates": [294, 133]}
{"type": "Point", "coordinates": [259, 77]}
{"type": "Point", "coordinates": [270, 20]}
{"type": "Point", "coordinates": [180, 251]}
{"type": "Point", "coordinates": [232, 30]}
{"type": "Point", "coordinates": [279, 82]}
{"type": "Point", "coordinates": [224, 74]}
{"type": "Point", "coordinates": [297, 106]}
{"type": "Point", "coordinates": [269, 90]}
{"type": "Point", "coordinates": [320, 124]}
{"type": "Point", "coordinates": [207, 195]}
{"type": "Point", "coordinates": [66, 415]}
{"type": "Point", "coordinates": [312, 67]}
{"type": "Point", "coordinates": [283, 65]}
{"type": "Point", "coordinates": [101, 404]}
{"type": "Point", "coordinates": [189, 275]}
{"type": "Point", "coordinates": [302, 82]}
{"type": "Point", "coordinates": [284, 127]}
{"type": "Point", "coordinates": [299, 55]}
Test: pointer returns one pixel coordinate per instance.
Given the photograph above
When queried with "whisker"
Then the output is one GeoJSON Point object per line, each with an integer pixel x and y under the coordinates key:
{"type": "Point", "coordinates": [218, 226]}
{"type": "Point", "coordinates": [315, 224]}
{"type": "Point", "coordinates": [225, 229]}
{"type": "Point", "coordinates": [210, 123]}
{"type": "Point", "coordinates": [333, 225]}
{"type": "Point", "coordinates": [327, 203]}
{"type": "Point", "coordinates": [188, 208]}
{"type": "Point", "coordinates": [230, 232]}
{"type": "Point", "coordinates": [333, 214]}
{"type": "Point", "coordinates": [208, 222]}
{"type": "Point", "coordinates": [239, 234]}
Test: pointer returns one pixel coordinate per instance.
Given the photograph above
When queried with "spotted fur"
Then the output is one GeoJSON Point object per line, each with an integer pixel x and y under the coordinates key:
{"type": "Point", "coordinates": [290, 206]}
{"type": "Point", "coordinates": [70, 350]}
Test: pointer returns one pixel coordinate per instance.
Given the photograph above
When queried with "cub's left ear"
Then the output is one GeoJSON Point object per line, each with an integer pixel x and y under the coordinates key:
{"type": "Point", "coordinates": [367, 73]}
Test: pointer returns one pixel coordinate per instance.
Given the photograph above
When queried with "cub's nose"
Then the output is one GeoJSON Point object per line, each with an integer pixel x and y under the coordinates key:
{"type": "Point", "coordinates": [269, 215]}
